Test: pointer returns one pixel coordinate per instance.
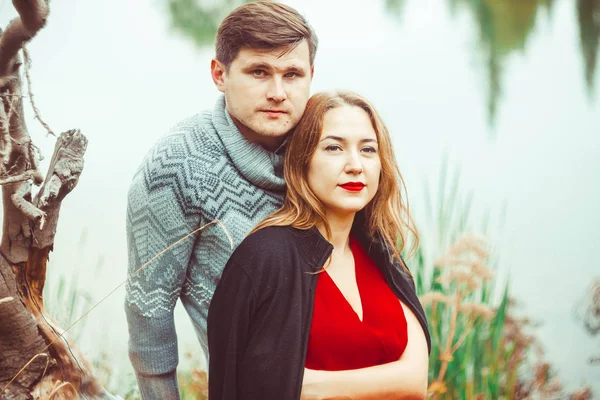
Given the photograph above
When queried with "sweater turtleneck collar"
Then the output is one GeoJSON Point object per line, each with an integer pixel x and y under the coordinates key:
{"type": "Point", "coordinates": [259, 166]}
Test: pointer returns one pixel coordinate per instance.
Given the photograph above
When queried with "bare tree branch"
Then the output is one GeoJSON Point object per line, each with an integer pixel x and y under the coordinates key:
{"type": "Point", "coordinates": [5, 139]}
{"type": "Point", "coordinates": [27, 333]}
{"type": "Point", "coordinates": [17, 178]}
{"type": "Point", "coordinates": [33, 13]}
{"type": "Point", "coordinates": [28, 78]}
{"type": "Point", "coordinates": [63, 174]}
{"type": "Point", "coordinates": [21, 203]}
{"type": "Point", "coordinates": [32, 18]}
{"type": "Point", "coordinates": [35, 157]}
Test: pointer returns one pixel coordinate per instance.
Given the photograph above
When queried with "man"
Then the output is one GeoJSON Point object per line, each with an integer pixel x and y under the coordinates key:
{"type": "Point", "coordinates": [225, 165]}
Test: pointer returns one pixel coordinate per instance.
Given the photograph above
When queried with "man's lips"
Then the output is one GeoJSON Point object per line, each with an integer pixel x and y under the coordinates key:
{"type": "Point", "coordinates": [353, 186]}
{"type": "Point", "coordinates": [274, 113]}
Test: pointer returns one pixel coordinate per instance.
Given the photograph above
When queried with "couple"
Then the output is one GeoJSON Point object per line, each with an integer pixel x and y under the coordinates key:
{"type": "Point", "coordinates": [315, 301]}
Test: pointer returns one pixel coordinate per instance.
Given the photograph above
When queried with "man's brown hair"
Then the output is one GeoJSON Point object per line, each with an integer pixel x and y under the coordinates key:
{"type": "Point", "coordinates": [263, 25]}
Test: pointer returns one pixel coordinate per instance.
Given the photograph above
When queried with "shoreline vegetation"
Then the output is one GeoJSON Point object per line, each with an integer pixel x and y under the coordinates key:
{"type": "Point", "coordinates": [481, 348]}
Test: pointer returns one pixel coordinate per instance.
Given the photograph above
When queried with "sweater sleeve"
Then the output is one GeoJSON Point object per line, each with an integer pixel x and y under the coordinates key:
{"type": "Point", "coordinates": [229, 316]}
{"type": "Point", "coordinates": [159, 213]}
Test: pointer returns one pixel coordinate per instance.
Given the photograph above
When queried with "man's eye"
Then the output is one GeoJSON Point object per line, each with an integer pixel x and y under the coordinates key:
{"type": "Point", "coordinates": [292, 75]}
{"type": "Point", "coordinates": [258, 72]}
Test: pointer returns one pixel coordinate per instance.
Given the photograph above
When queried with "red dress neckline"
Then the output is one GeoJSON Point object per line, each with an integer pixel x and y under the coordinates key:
{"type": "Point", "coordinates": [338, 339]}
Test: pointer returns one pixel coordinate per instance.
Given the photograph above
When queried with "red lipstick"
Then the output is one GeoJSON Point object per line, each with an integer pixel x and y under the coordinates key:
{"type": "Point", "coordinates": [353, 186]}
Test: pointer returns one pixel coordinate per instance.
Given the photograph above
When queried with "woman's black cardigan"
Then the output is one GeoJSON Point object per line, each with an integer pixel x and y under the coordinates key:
{"type": "Point", "coordinates": [260, 315]}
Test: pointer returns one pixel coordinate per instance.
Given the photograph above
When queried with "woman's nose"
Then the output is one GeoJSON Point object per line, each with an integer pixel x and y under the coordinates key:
{"type": "Point", "coordinates": [353, 163]}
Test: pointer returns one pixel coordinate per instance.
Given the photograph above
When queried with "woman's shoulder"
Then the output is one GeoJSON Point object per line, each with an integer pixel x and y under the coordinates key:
{"type": "Point", "coordinates": [267, 244]}
{"type": "Point", "coordinates": [269, 237]}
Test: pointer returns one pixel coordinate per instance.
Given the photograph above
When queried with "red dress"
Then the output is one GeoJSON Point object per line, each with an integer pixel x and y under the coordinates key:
{"type": "Point", "coordinates": [338, 339]}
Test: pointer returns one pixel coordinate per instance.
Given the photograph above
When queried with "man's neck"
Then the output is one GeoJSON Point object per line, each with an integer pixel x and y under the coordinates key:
{"type": "Point", "coordinates": [270, 143]}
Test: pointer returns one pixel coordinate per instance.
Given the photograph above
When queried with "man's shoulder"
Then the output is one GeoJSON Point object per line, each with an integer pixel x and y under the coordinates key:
{"type": "Point", "coordinates": [191, 143]}
{"type": "Point", "coordinates": [178, 159]}
{"type": "Point", "coordinates": [194, 134]}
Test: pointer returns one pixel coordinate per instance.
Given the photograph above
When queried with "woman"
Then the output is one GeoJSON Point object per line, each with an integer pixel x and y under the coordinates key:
{"type": "Point", "coordinates": [316, 303]}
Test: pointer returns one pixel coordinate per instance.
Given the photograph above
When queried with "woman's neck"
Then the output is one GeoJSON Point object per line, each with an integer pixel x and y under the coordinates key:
{"type": "Point", "coordinates": [340, 227]}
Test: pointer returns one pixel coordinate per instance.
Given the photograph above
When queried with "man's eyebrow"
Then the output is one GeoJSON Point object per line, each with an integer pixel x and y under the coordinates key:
{"type": "Point", "coordinates": [343, 140]}
{"type": "Point", "coordinates": [257, 65]}
{"type": "Point", "coordinates": [268, 67]}
{"type": "Point", "coordinates": [294, 68]}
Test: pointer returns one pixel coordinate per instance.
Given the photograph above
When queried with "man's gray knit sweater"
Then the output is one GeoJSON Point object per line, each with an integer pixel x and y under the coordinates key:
{"type": "Point", "coordinates": [203, 170]}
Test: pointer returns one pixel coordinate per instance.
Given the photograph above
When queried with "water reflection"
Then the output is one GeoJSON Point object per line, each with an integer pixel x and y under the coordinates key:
{"type": "Point", "coordinates": [588, 16]}
{"type": "Point", "coordinates": [197, 21]}
{"type": "Point", "coordinates": [394, 7]}
{"type": "Point", "coordinates": [505, 27]}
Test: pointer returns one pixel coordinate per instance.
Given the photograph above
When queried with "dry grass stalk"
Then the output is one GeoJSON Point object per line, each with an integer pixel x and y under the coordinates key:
{"type": "Point", "coordinates": [434, 297]}
{"type": "Point", "coordinates": [56, 393]}
{"type": "Point", "coordinates": [583, 394]}
{"type": "Point", "coordinates": [465, 263]}
{"type": "Point", "coordinates": [469, 243]}
{"type": "Point", "coordinates": [477, 310]}
{"type": "Point", "coordinates": [542, 384]}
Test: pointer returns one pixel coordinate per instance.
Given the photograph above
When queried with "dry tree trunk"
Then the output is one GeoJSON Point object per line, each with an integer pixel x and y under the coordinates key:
{"type": "Point", "coordinates": [30, 344]}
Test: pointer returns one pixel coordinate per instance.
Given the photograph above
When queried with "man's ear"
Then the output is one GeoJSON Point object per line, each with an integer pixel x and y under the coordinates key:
{"type": "Point", "coordinates": [312, 72]}
{"type": "Point", "coordinates": [217, 71]}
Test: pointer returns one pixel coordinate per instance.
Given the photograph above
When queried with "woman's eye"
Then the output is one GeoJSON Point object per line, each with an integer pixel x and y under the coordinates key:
{"type": "Point", "coordinates": [332, 147]}
{"type": "Point", "coordinates": [370, 149]}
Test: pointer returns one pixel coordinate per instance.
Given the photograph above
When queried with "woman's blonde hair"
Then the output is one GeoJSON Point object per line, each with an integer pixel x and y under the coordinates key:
{"type": "Point", "coordinates": [386, 215]}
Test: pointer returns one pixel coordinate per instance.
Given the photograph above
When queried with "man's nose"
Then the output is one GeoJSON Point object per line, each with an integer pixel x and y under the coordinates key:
{"type": "Point", "coordinates": [276, 90]}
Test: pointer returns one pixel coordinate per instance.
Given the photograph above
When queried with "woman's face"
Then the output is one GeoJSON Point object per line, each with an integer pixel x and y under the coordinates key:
{"type": "Point", "coordinates": [344, 170]}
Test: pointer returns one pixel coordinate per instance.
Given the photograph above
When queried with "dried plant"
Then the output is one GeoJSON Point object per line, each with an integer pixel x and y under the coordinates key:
{"type": "Point", "coordinates": [462, 272]}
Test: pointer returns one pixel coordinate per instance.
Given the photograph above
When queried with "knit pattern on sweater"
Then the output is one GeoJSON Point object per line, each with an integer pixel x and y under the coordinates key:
{"type": "Point", "coordinates": [203, 170]}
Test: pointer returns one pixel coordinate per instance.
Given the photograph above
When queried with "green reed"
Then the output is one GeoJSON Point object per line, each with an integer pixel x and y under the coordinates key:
{"type": "Point", "coordinates": [472, 356]}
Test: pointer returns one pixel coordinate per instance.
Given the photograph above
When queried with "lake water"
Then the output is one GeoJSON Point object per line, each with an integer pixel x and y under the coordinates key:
{"type": "Point", "coordinates": [117, 71]}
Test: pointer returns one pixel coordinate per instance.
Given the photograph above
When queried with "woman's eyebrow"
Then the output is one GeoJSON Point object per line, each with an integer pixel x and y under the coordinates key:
{"type": "Point", "coordinates": [343, 140]}
{"type": "Point", "coordinates": [338, 138]}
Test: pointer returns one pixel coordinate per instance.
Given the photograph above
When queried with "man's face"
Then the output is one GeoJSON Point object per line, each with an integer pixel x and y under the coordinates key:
{"type": "Point", "coordinates": [266, 92]}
